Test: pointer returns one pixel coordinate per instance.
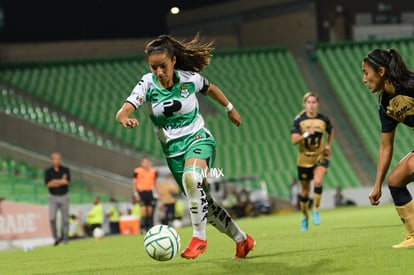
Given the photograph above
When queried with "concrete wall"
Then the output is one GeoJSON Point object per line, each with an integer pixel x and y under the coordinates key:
{"type": "Point", "coordinates": [22, 52]}
{"type": "Point", "coordinates": [44, 140]}
{"type": "Point", "coordinates": [292, 30]}
{"type": "Point", "coordinates": [18, 52]}
{"type": "Point", "coordinates": [286, 23]}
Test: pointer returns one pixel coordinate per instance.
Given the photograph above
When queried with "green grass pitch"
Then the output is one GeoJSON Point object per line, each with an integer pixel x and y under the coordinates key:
{"type": "Point", "coordinates": [349, 241]}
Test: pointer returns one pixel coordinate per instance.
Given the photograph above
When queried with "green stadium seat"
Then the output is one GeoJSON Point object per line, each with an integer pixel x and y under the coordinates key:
{"type": "Point", "coordinates": [265, 86]}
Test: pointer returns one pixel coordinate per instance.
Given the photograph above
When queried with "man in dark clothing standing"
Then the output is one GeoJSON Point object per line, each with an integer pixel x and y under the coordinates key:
{"type": "Point", "coordinates": [57, 180]}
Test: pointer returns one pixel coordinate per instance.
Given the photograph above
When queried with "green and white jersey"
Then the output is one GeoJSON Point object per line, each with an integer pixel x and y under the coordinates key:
{"type": "Point", "coordinates": [174, 112]}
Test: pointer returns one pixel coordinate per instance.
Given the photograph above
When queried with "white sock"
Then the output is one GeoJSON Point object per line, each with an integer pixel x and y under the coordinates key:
{"type": "Point", "coordinates": [197, 201]}
{"type": "Point", "coordinates": [222, 221]}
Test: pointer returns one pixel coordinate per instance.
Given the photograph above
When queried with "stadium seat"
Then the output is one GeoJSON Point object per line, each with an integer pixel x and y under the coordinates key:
{"type": "Point", "coordinates": [265, 86]}
{"type": "Point", "coordinates": [355, 98]}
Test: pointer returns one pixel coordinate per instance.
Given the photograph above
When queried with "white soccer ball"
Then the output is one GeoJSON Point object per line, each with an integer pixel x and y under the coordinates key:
{"type": "Point", "coordinates": [162, 242]}
{"type": "Point", "coordinates": [98, 233]}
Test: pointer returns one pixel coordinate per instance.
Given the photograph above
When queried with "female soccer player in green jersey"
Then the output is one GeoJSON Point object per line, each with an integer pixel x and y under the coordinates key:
{"type": "Point", "coordinates": [169, 96]}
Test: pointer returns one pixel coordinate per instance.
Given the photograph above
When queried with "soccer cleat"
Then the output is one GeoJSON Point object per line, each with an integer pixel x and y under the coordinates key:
{"type": "Point", "coordinates": [408, 242]}
{"type": "Point", "coordinates": [195, 248]}
{"type": "Point", "coordinates": [304, 225]}
{"type": "Point", "coordinates": [316, 219]}
{"type": "Point", "coordinates": [58, 241]}
{"type": "Point", "coordinates": [244, 247]}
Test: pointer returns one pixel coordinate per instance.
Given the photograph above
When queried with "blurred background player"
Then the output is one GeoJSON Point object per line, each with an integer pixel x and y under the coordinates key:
{"type": "Point", "coordinates": [170, 93]}
{"type": "Point", "coordinates": [113, 216]}
{"type": "Point", "coordinates": [144, 185]}
{"type": "Point", "coordinates": [168, 192]}
{"type": "Point", "coordinates": [308, 130]}
{"type": "Point", "coordinates": [385, 72]}
{"type": "Point", "coordinates": [57, 179]}
{"type": "Point", "coordinates": [95, 217]}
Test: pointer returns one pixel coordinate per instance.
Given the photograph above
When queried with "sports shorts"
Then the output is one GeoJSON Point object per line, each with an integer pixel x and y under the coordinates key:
{"type": "Point", "coordinates": [306, 173]}
{"type": "Point", "coordinates": [203, 148]}
{"type": "Point", "coordinates": [147, 197]}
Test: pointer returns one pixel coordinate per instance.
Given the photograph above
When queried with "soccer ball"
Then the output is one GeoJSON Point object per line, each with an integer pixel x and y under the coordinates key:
{"type": "Point", "coordinates": [162, 242]}
{"type": "Point", "coordinates": [98, 233]}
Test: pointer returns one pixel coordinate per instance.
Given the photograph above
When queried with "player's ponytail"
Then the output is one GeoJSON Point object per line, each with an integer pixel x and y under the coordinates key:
{"type": "Point", "coordinates": [193, 55]}
{"type": "Point", "coordinates": [398, 71]}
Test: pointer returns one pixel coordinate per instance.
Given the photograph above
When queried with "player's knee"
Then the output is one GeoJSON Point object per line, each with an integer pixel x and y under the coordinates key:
{"type": "Point", "coordinates": [393, 181]}
{"type": "Point", "coordinates": [192, 179]}
{"type": "Point", "coordinates": [410, 166]}
{"type": "Point", "coordinates": [317, 182]}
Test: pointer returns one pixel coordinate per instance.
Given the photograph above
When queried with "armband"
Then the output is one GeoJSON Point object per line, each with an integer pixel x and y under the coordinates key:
{"type": "Point", "coordinates": [229, 107]}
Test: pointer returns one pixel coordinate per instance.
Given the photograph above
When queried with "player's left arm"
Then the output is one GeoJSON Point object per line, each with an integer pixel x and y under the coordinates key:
{"type": "Point", "coordinates": [330, 140]}
{"type": "Point", "coordinates": [215, 93]}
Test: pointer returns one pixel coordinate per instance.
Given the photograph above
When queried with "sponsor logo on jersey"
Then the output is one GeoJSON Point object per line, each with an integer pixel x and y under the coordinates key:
{"type": "Point", "coordinates": [140, 99]}
{"type": "Point", "coordinates": [184, 91]}
{"type": "Point", "coordinates": [154, 98]}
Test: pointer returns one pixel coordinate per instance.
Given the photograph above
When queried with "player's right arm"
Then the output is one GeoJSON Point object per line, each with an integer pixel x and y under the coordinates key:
{"type": "Point", "coordinates": [123, 115]}
{"type": "Point", "coordinates": [298, 137]}
{"type": "Point", "coordinates": [384, 159]}
{"type": "Point", "coordinates": [134, 100]}
{"type": "Point", "coordinates": [134, 187]}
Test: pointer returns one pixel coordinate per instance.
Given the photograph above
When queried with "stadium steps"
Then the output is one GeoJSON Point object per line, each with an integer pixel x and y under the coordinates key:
{"type": "Point", "coordinates": [345, 133]}
{"type": "Point", "coordinates": [22, 182]}
{"type": "Point", "coordinates": [265, 85]}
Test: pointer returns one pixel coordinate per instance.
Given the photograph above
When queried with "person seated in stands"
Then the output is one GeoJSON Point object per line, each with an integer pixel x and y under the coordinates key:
{"type": "Point", "coordinates": [340, 200]}
{"type": "Point", "coordinates": [75, 230]}
{"type": "Point", "coordinates": [95, 217]}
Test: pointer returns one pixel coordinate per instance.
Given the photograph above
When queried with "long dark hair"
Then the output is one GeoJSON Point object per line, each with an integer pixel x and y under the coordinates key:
{"type": "Point", "coordinates": [193, 55]}
{"type": "Point", "coordinates": [396, 69]}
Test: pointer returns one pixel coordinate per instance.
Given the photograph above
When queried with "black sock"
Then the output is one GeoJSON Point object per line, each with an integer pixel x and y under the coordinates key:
{"type": "Point", "coordinates": [400, 195]}
{"type": "Point", "coordinates": [317, 190]}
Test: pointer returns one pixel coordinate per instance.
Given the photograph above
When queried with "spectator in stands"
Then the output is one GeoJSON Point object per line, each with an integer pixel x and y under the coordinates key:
{"type": "Point", "coordinates": [144, 186]}
{"type": "Point", "coordinates": [1, 199]}
{"type": "Point", "coordinates": [95, 217]}
{"type": "Point", "coordinates": [136, 209]}
{"type": "Point", "coordinates": [57, 179]}
{"type": "Point", "coordinates": [340, 200]}
{"type": "Point", "coordinates": [295, 193]}
{"type": "Point", "coordinates": [113, 216]}
{"type": "Point", "coordinates": [75, 230]}
{"type": "Point", "coordinates": [385, 73]}
{"type": "Point", "coordinates": [168, 191]}
{"type": "Point", "coordinates": [170, 93]}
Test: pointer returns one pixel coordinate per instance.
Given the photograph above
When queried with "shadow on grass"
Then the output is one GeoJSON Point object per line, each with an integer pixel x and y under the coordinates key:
{"type": "Point", "coordinates": [264, 255]}
{"type": "Point", "coordinates": [273, 266]}
{"type": "Point", "coordinates": [367, 227]}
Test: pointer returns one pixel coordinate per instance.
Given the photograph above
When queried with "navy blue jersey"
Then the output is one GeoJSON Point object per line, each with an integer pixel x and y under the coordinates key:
{"type": "Point", "coordinates": [311, 149]}
{"type": "Point", "coordinates": [396, 108]}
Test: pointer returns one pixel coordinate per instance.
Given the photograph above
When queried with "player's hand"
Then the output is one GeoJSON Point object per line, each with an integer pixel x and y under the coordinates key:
{"type": "Point", "coordinates": [65, 179]}
{"type": "Point", "coordinates": [311, 130]}
{"type": "Point", "coordinates": [327, 151]}
{"type": "Point", "coordinates": [234, 117]}
{"type": "Point", "coordinates": [130, 123]}
{"type": "Point", "coordinates": [375, 195]}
